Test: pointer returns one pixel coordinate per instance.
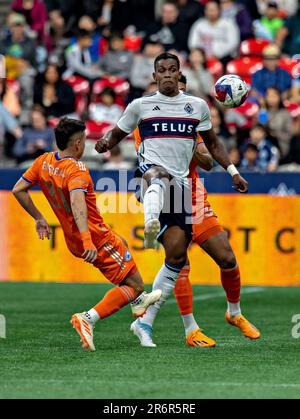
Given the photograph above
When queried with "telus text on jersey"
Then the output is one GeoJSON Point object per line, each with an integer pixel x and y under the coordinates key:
{"type": "Point", "coordinates": [172, 127]}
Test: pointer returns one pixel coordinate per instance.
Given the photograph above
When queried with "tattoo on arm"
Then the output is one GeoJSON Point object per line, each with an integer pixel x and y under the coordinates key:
{"type": "Point", "coordinates": [79, 210]}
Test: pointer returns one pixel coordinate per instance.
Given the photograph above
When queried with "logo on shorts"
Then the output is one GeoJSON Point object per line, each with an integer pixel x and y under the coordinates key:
{"type": "Point", "coordinates": [188, 108]}
{"type": "Point", "coordinates": [127, 256]}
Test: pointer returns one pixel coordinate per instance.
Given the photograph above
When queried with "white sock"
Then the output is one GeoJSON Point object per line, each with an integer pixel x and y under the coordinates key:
{"type": "Point", "coordinates": [165, 280]}
{"type": "Point", "coordinates": [154, 200]}
{"type": "Point", "coordinates": [189, 323]}
{"type": "Point", "coordinates": [234, 309]}
{"type": "Point", "coordinates": [92, 316]}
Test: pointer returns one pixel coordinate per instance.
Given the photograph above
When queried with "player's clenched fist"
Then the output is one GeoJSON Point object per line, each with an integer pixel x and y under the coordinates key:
{"type": "Point", "coordinates": [90, 251]}
{"type": "Point", "coordinates": [240, 184]}
{"type": "Point", "coordinates": [103, 145]}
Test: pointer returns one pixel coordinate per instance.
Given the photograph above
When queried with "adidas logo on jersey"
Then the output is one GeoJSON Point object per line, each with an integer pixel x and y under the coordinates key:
{"type": "Point", "coordinates": [156, 108]}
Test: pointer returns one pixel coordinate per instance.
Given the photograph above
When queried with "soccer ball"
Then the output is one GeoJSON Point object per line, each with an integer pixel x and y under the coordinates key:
{"type": "Point", "coordinates": [231, 91]}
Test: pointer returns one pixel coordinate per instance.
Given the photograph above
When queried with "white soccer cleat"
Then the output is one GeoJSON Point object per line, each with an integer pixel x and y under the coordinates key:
{"type": "Point", "coordinates": [152, 228]}
{"type": "Point", "coordinates": [85, 330]}
{"type": "Point", "coordinates": [139, 307]}
{"type": "Point", "coordinates": [144, 332]}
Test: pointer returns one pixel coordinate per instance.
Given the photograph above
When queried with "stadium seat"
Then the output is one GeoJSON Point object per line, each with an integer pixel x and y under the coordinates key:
{"type": "Point", "coordinates": [242, 117]}
{"type": "Point", "coordinates": [81, 88]}
{"type": "Point", "coordinates": [215, 67]}
{"type": "Point", "coordinates": [133, 43]}
{"type": "Point", "coordinates": [253, 47]}
{"type": "Point", "coordinates": [95, 130]}
{"type": "Point", "coordinates": [294, 109]}
{"type": "Point", "coordinates": [244, 67]}
{"type": "Point", "coordinates": [291, 65]}
{"type": "Point", "coordinates": [52, 122]}
{"type": "Point", "coordinates": [119, 85]}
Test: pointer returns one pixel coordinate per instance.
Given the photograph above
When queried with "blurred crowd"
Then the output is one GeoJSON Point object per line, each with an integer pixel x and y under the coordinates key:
{"type": "Point", "coordinates": [89, 58]}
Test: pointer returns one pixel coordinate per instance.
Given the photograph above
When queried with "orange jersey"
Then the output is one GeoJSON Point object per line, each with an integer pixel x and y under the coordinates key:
{"type": "Point", "coordinates": [57, 177]}
{"type": "Point", "coordinates": [137, 139]}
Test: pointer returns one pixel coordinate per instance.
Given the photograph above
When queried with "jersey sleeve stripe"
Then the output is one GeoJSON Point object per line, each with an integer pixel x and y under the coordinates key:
{"type": "Point", "coordinates": [78, 189]}
{"type": "Point", "coordinates": [26, 180]}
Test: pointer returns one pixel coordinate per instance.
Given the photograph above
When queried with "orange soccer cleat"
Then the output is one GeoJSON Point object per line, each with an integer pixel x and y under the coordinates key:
{"type": "Point", "coordinates": [247, 328]}
{"type": "Point", "coordinates": [84, 329]}
{"type": "Point", "coordinates": [199, 339]}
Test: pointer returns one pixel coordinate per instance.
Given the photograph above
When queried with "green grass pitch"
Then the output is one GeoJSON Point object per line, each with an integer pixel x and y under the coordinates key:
{"type": "Point", "coordinates": [41, 356]}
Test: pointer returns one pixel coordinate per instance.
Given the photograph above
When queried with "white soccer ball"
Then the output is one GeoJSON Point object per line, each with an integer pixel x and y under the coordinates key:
{"type": "Point", "coordinates": [231, 91]}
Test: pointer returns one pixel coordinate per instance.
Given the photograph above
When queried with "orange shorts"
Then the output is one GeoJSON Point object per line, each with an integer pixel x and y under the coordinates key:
{"type": "Point", "coordinates": [207, 228]}
{"type": "Point", "coordinates": [115, 261]}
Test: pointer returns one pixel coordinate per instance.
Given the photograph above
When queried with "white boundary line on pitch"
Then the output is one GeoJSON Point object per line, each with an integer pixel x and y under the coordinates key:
{"type": "Point", "coordinates": [204, 297]}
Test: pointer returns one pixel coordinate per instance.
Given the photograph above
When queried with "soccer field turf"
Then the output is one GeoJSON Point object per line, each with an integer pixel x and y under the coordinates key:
{"type": "Point", "coordinates": [41, 356]}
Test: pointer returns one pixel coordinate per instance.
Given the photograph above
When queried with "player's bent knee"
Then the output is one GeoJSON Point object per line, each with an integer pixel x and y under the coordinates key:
{"type": "Point", "coordinates": [177, 260]}
{"type": "Point", "coordinates": [155, 173]}
{"type": "Point", "coordinates": [227, 261]}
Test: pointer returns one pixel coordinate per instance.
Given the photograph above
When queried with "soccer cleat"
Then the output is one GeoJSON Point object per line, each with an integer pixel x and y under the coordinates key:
{"type": "Point", "coordinates": [144, 332]}
{"type": "Point", "coordinates": [84, 329]}
{"type": "Point", "coordinates": [199, 339]}
{"type": "Point", "coordinates": [152, 228]}
{"type": "Point", "coordinates": [247, 328]}
{"type": "Point", "coordinates": [139, 308]}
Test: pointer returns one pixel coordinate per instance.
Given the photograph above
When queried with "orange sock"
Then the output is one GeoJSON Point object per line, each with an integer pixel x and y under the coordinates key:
{"type": "Point", "coordinates": [231, 282]}
{"type": "Point", "coordinates": [183, 292]}
{"type": "Point", "coordinates": [115, 299]}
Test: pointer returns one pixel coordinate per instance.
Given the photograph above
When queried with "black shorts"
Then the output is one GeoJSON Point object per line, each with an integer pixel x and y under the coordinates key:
{"type": "Point", "coordinates": [177, 210]}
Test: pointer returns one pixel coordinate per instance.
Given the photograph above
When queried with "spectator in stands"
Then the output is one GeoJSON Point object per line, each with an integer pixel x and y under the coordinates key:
{"type": "Point", "coordinates": [286, 7]}
{"type": "Point", "coordinates": [232, 9]}
{"type": "Point", "coordinates": [79, 60]}
{"type": "Point", "coordinates": [53, 93]}
{"type": "Point", "coordinates": [294, 152]}
{"type": "Point", "coordinates": [200, 80]}
{"type": "Point", "coordinates": [69, 10]}
{"type": "Point", "coordinates": [251, 6]}
{"type": "Point", "coordinates": [107, 110]}
{"type": "Point", "coordinates": [234, 155]}
{"type": "Point", "coordinates": [250, 156]}
{"type": "Point", "coordinates": [218, 123]}
{"type": "Point", "coordinates": [35, 13]}
{"type": "Point", "coordinates": [218, 37]}
{"type": "Point", "coordinates": [36, 139]}
{"type": "Point", "coordinates": [271, 75]}
{"type": "Point", "coordinates": [170, 31]}
{"type": "Point", "coordinates": [117, 61]}
{"type": "Point", "coordinates": [189, 11]}
{"type": "Point", "coordinates": [8, 123]}
{"type": "Point", "coordinates": [139, 13]}
{"type": "Point", "coordinates": [288, 37]}
{"type": "Point", "coordinates": [88, 24]}
{"type": "Point", "coordinates": [142, 68]}
{"type": "Point", "coordinates": [10, 98]}
{"type": "Point", "coordinates": [104, 17]}
{"type": "Point", "coordinates": [19, 51]}
{"type": "Point", "coordinates": [269, 24]}
{"type": "Point", "coordinates": [279, 120]}
{"type": "Point", "coordinates": [116, 161]}
{"type": "Point", "coordinates": [268, 155]}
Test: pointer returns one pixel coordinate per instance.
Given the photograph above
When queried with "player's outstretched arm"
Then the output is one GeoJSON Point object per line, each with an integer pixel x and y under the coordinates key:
{"type": "Point", "coordinates": [80, 214]}
{"type": "Point", "coordinates": [110, 140]}
{"type": "Point", "coordinates": [219, 153]}
{"type": "Point", "coordinates": [203, 158]}
{"type": "Point", "coordinates": [21, 193]}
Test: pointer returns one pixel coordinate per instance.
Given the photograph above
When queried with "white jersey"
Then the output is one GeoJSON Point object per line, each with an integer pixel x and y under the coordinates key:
{"type": "Point", "coordinates": [168, 128]}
